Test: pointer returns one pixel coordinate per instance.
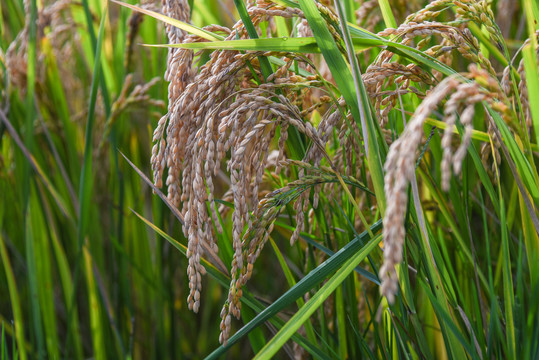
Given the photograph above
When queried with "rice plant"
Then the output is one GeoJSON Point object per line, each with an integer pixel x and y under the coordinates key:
{"type": "Point", "coordinates": [270, 178]}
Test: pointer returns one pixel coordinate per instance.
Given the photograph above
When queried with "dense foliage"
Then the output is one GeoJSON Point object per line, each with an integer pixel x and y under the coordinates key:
{"type": "Point", "coordinates": [303, 179]}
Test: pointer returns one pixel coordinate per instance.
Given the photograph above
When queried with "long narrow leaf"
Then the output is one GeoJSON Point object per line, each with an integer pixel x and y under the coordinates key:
{"type": "Point", "coordinates": [177, 23]}
{"type": "Point", "coordinates": [15, 300]}
{"type": "Point", "coordinates": [345, 82]}
{"type": "Point", "coordinates": [304, 45]}
{"type": "Point", "coordinates": [308, 282]}
{"type": "Point", "coordinates": [306, 311]}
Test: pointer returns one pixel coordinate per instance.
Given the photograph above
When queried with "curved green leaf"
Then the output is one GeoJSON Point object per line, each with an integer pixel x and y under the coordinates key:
{"type": "Point", "coordinates": [307, 283]}
{"type": "Point", "coordinates": [177, 23]}
{"type": "Point", "coordinates": [310, 307]}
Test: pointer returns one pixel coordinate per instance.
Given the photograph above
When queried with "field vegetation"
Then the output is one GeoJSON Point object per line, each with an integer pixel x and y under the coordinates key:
{"type": "Point", "coordinates": [271, 179]}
